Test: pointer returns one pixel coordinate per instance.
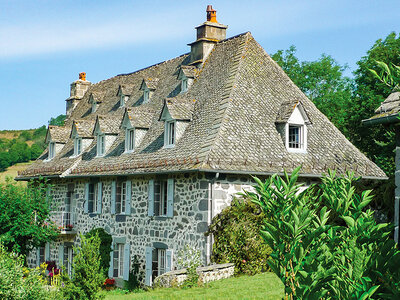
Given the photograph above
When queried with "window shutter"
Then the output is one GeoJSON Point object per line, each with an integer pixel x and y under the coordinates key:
{"type": "Point", "coordinates": [86, 204]}
{"type": "Point", "coordinates": [47, 252]}
{"type": "Point", "coordinates": [169, 260]}
{"type": "Point", "coordinates": [113, 196]}
{"type": "Point", "coordinates": [128, 197]}
{"type": "Point", "coordinates": [127, 260]}
{"type": "Point", "coordinates": [151, 198]}
{"type": "Point", "coordinates": [149, 258]}
{"type": "Point", "coordinates": [38, 256]}
{"type": "Point", "coordinates": [170, 198]}
{"type": "Point", "coordinates": [111, 269]}
{"type": "Point", "coordinates": [61, 256]}
{"type": "Point", "coordinates": [99, 196]}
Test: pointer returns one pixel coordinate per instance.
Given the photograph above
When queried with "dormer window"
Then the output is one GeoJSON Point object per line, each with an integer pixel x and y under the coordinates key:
{"type": "Point", "coordinates": [94, 106]}
{"type": "Point", "coordinates": [101, 145]}
{"type": "Point", "coordinates": [52, 150]}
{"type": "Point", "coordinates": [123, 96]}
{"type": "Point", "coordinates": [146, 95]}
{"type": "Point", "coordinates": [184, 85]}
{"type": "Point", "coordinates": [77, 146]}
{"type": "Point", "coordinates": [296, 130]}
{"type": "Point", "coordinates": [296, 137]}
{"type": "Point", "coordinates": [170, 133]}
{"type": "Point", "coordinates": [130, 140]}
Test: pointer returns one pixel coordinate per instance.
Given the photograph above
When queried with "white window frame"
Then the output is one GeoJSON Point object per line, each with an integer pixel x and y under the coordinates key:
{"type": "Point", "coordinates": [118, 263]}
{"type": "Point", "coordinates": [170, 139]}
{"type": "Point", "coordinates": [121, 197]}
{"type": "Point", "coordinates": [129, 140]}
{"type": "Point", "coordinates": [77, 146]}
{"type": "Point", "coordinates": [184, 85]}
{"type": "Point", "coordinates": [93, 197]}
{"type": "Point", "coordinates": [52, 150]}
{"type": "Point", "coordinates": [160, 198]}
{"type": "Point", "coordinates": [101, 144]}
{"type": "Point", "coordinates": [67, 259]}
{"type": "Point", "coordinates": [302, 141]}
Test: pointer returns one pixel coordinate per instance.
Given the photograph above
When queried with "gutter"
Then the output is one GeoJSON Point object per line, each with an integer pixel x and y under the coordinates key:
{"type": "Point", "coordinates": [381, 120]}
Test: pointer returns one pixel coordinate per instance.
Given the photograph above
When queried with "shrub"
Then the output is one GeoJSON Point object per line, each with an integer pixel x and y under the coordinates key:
{"type": "Point", "coordinates": [105, 247]}
{"type": "Point", "coordinates": [87, 277]}
{"type": "Point", "coordinates": [236, 237]}
{"type": "Point", "coordinates": [189, 258]}
{"type": "Point", "coordinates": [135, 276]}
{"type": "Point", "coordinates": [325, 244]}
{"type": "Point", "coordinates": [17, 282]}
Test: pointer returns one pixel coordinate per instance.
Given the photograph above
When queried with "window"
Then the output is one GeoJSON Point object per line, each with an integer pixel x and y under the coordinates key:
{"type": "Point", "coordinates": [52, 150]}
{"type": "Point", "coordinates": [120, 199]}
{"type": "Point", "coordinates": [184, 85]}
{"type": "Point", "coordinates": [93, 198]}
{"type": "Point", "coordinates": [101, 145]}
{"type": "Point", "coordinates": [67, 259]}
{"type": "Point", "coordinates": [42, 257]}
{"type": "Point", "coordinates": [170, 133]}
{"type": "Point", "coordinates": [295, 137]}
{"type": "Point", "coordinates": [67, 215]}
{"type": "Point", "coordinates": [129, 140]}
{"type": "Point", "coordinates": [159, 260]}
{"type": "Point", "coordinates": [94, 106]}
{"type": "Point", "coordinates": [77, 146]}
{"type": "Point", "coordinates": [160, 198]}
{"type": "Point", "coordinates": [118, 263]}
{"type": "Point", "coordinates": [146, 96]}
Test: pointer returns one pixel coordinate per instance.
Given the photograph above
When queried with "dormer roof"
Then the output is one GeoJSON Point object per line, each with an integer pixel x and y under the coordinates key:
{"type": "Point", "coordinates": [138, 117]}
{"type": "Point", "coordinates": [83, 128]}
{"type": "Point", "coordinates": [106, 125]}
{"type": "Point", "coordinates": [178, 108]}
{"type": "Point", "coordinates": [150, 82]}
{"type": "Point", "coordinates": [187, 71]}
{"type": "Point", "coordinates": [57, 134]}
{"type": "Point", "coordinates": [124, 90]}
{"type": "Point", "coordinates": [286, 110]}
{"type": "Point", "coordinates": [95, 97]}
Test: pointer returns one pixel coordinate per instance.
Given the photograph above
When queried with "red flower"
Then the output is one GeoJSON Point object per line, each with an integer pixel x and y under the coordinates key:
{"type": "Point", "coordinates": [244, 261]}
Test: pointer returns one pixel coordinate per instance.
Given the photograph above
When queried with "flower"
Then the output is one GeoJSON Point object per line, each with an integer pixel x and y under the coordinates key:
{"type": "Point", "coordinates": [109, 282]}
{"type": "Point", "coordinates": [244, 261]}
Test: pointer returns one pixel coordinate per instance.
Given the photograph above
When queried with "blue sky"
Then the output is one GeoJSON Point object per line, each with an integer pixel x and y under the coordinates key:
{"type": "Point", "coordinates": [45, 44]}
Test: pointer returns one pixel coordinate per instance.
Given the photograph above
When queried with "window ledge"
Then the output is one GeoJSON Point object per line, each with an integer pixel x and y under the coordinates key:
{"type": "Point", "coordinates": [161, 218]}
{"type": "Point", "coordinates": [301, 151]}
{"type": "Point", "coordinates": [128, 151]}
{"type": "Point", "coordinates": [169, 146]}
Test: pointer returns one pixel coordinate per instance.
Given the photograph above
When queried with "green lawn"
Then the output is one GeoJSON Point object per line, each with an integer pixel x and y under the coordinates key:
{"type": "Point", "coordinates": [261, 286]}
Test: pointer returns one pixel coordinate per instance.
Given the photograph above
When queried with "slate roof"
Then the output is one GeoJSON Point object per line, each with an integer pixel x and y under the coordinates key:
{"type": "Point", "coordinates": [151, 82]}
{"type": "Point", "coordinates": [84, 128]}
{"type": "Point", "coordinates": [140, 116]}
{"type": "Point", "coordinates": [235, 101]}
{"type": "Point", "coordinates": [388, 111]}
{"type": "Point", "coordinates": [108, 124]}
{"type": "Point", "coordinates": [180, 108]}
{"type": "Point", "coordinates": [189, 71]}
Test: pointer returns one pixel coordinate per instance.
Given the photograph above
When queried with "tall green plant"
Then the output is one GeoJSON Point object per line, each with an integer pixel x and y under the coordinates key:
{"type": "Point", "coordinates": [105, 246]}
{"type": "Point", "coordinates": [325, 243]}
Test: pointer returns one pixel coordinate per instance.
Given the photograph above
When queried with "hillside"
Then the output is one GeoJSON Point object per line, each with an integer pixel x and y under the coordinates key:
{"type": "Point", "coordinates": [12, 172]}
{"type": "Point", "coordinates": [21, 146]}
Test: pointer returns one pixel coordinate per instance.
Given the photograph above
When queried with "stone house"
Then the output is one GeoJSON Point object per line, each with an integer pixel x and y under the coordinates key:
{"type": "Point", "coordinates": [152, 156]}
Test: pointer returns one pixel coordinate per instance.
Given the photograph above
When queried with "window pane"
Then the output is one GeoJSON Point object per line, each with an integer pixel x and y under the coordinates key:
{"type": "Point", "coordinates": [121, 260]}
{"type": "Point", "coordinates": [123, 197]}
{"type": "Point", "coordinates": [295, 137]}
{"type": "Point", "coordinates": [157, 196]}
{"type": "Point", "coordinates": [161, 261]}
{"type": "Point", "coordinates": [118, 198]}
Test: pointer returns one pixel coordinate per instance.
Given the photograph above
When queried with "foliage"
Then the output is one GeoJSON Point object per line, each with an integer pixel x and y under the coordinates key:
{"type": "Point", "coordinates": [266, 286]}
{"type": "Point", "coordinates": [189, 258]}
{"type": "Point", "coordinates": [322, 81]}
{"type": "Point", "coordinates": [325, 244]}
{"type": "Point", "coordinates": [135, 276]}
{"type": "Point", "coordinates": [236, 237]}
{"type": "Point", "coordinates": [105, 247]}
{"type": "Point", "coordinates": [87, 277]}
{"type": "Point", "coordinates": [17, 282]}
{"type": "Point", "coordinates": [389, 74]}
{"type": "Point", "coordinates": [58, 121]}
{"type": "Point", "coordinates": [24, 218]}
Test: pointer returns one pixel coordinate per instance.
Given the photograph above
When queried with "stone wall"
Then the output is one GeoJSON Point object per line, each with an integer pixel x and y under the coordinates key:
{"type": "Point", "coordinates": [206, 274]}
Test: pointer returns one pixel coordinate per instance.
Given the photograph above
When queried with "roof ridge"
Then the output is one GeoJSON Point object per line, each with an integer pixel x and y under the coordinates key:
{"type": "Point", "coordinates": [209, 142]}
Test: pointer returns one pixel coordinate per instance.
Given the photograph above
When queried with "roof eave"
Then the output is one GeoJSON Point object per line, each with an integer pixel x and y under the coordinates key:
{"type": "Point", "coordinates": [382, 120]}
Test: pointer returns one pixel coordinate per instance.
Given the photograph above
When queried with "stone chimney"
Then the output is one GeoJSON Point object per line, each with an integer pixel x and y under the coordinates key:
{"type": "Point", "coordinates": [78, 90]}
{"type": "Point", "coordinates": [208, 34]}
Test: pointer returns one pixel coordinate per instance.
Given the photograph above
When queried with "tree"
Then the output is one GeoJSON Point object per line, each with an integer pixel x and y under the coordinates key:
{"type": "Point", "coordinates": [87, 277]}
{"type": "Point", "coordinates": [24, 218]}
{"type": "Point", "coordinates": [322, 81]}
{"type": "Point", "coordinates": [58, 121]}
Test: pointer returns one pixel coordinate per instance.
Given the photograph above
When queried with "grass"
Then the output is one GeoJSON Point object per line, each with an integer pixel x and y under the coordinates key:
{"type": "Point", "coordinates": [261, 286]}
{"type": "Point", "coordinates": [13, 172]}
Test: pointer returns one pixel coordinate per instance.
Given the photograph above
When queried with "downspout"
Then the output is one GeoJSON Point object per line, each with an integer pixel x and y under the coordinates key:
{"type": "Point", "coordinates": [397, 189]}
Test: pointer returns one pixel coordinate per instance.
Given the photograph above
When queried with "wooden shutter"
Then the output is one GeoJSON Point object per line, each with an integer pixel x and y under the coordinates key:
{"type": "Point", "coordinates": [170, 198]}
{"type": "Point", "coordinates": [86, 204]}
{"type": "Point", "coordinates": [99, 196]}
{"type": "Point", "coordinates": [111, 269]}
{"type": "Point", "coordinates": [113, 196]}
{"type": "Point", "coordinates": [128, 197]}
{"type": "Point", "coordinates": [169, 260]}
{"type": "Point", "coordinates": [150, 208]}
{"type": "Point", "coordinates": [61, 256]}
{"type": "Point", "coordinates": [47, 252]}
{"type": "Point", "coordinates": [127, 260]}
{"type": "Point", "coordinates": [149, 258]}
